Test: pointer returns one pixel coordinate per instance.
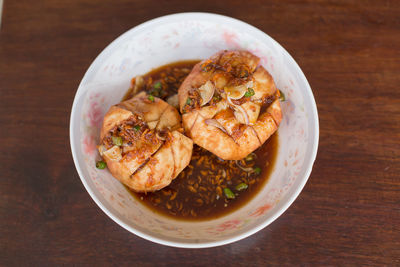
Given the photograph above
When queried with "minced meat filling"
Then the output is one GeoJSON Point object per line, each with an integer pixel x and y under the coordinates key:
{"type": "Point", "coordinates": [134, 132]}
{"type": "Point", "coordinates": [236, 74]}
{"type": "Point", "coordinates": [193, 101]}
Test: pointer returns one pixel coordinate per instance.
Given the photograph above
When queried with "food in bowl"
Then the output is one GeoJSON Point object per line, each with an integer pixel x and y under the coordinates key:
{"type": "Point", "coordinates": [180, 37]}
{"type": "Point", "coordinates": [230, 104]}
{"type": "Point", "coordinates": [215, 182]}
{"type": "Point", "coordinates": [142, 143]}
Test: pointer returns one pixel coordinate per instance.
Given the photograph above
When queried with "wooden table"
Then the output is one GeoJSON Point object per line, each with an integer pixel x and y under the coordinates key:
{"type": "Point", "coordinates": [349, 211]}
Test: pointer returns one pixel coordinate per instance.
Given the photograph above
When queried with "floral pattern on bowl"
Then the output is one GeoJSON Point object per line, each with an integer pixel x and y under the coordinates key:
{"type": "Point", "coordinates": [193, 36]}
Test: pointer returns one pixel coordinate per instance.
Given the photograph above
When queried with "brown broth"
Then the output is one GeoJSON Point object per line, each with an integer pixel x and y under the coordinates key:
{"type": "Point", "coordinates": [170, 75]}
{"type": "Point", "coordinates": [198, 191]}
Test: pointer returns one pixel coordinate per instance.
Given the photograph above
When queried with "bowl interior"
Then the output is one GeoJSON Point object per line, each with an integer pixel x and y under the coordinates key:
{"type": "Point", "coordinates": [192, 36]}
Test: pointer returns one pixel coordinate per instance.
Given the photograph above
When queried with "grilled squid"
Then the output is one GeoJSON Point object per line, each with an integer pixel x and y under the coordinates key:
{"type": "Point", "coordinates": [143, 144]}
{"type": "Point", "coordinates": [230, 104]}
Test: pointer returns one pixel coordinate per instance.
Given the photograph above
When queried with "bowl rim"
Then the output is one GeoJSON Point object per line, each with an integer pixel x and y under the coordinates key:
{"type": "Point", "coordinates": [279, 212]}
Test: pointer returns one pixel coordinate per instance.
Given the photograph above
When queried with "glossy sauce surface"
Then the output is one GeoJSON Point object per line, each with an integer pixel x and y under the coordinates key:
{"type": "Point", "coordinates": [209, 187]}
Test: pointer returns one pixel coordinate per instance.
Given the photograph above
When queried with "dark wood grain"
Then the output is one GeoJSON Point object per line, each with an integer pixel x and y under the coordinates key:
{"type": "Point", "coordinates": [349, 211]}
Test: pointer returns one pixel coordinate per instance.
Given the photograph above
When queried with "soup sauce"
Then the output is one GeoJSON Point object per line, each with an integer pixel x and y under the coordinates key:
{"type": "Point", "coordinates": [208, 187]}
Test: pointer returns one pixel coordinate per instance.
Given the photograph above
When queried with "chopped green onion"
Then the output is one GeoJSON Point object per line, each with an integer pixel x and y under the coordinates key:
{"type": "Point", "coordinates": [188, 101]}
{"type": "Point", "coordinates": [244, 73]}
{"type": "Point", "coordinates": [157, 85]}
{"type": "Point", "coordinates": [206, 67]}
{"type": "Point", "coordinates": [136, 127]}
{"type": "Point", "coordinates": [282, 96]}
{"type": "Point", "coordinates": [151, 98]}
{"type": "Point", "coordinates": [241, 186]}
{"type": "Point", "coordinates": [216, 98]}
{"type": "Point", "coordinates": [250, 92]}
{"type": "Point", "coordinates": [228, 193]}
{"type": "Point", "coordinates": [101, 165]}
{"type": "Point", "coordinates": [257, 170]}
{"type": "Point", "coordinates": [249, 157]}
{"type": "Point", "coordinates": [117, 140]}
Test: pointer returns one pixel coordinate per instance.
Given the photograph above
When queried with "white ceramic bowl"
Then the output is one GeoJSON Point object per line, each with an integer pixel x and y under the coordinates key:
{"type": "Point", "coordinates": [193, 36]}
